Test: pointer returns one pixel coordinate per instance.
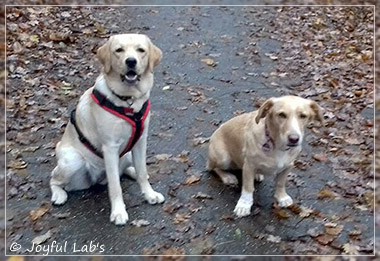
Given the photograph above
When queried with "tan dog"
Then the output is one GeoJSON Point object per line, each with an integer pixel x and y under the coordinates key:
{"type": "Point", "coordinates": [107, 134]}
{"type": "Point", "coordinates": [263, 142]}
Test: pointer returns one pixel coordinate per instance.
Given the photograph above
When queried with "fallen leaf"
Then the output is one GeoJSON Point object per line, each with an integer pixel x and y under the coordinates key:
{"type": "Point", "coordinates": [175, 251]}
{"type": "Point", "coordinates": [172, 207]}
{"type": "Point", "coordinates": [281, 213]}
{"type": "Point", "coordinates": [17, 164]}
{"type": "Point", "coordinates": [353, 141]}
{"type": "Point", "coordinates": [350, 249]}
{"type": "Point", "coordinates": [162, 157]}
{"type": "Point", "coordinates": [43, 238]}
{"type": "Point", "coordinates": [325, 239]}
{"type": "Point", "coordinates": [200, 140]}
{"type": "Point", "coordinates": [296, 209]}
{"type": "Point", "coordinates": [201, 195]}
{"type": "Point", "coordinates": [16, 258]}
{"type": "Point", "coordinates": [325, 193]}
{"type": "Point", "coordinates": [274, 239]}
{"type": "Point", "coordinates": [209, 62]}
{"type": "Point", "coordinates": [17, 48]}
{"type": "Point", "coordinates": [320, 157]}
{"type": "Point", "coordinates": [334, 231]}
{"type": "Point", "coordinates": [38, 213]}
{"type": "Point", "coordinates": [140, 223]}
{"type": "Point", "coordinates": [179, 218]}
{"type": "Point", "coordinates": [305, 211]}
{"type": "Point", "coordinates": [192, 179]}
{"type": "Point", "coordinates": [228, 217]}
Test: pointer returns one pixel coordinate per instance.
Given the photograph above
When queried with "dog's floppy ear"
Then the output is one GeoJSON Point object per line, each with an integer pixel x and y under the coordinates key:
{"type": "Point", "coordinates": [104, 56]}
{"type": "Point", "coordinates": [317, 111]}
{"type": "Point", "coordinates": [155, 56]}
{"type": "Point", "coordinates": [264, 109]}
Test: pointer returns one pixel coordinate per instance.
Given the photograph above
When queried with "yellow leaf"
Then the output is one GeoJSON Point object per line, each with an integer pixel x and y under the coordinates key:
{"type": "Point", "coordinates": [16, 258]}
{"type": "Point", "coordinates": [34, 38]}
{"type": "Point", "coordinates": [209, 62]}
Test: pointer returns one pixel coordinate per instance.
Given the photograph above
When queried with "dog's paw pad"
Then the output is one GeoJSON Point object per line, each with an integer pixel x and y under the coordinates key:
{"type": "Point", "coordinates": [242, 209]}
{"type": "Point", "coordinates": [59, 197]}
{"type": "Point", "coordinates": [119, 217]}
{"type": "Point", "coordinates": [154, 197]}
{"type": "Point", "coordinates": [285, 201]}
{"type": "Point", "coordinates": [230, 180]}
{"type": "Point", "coordinates": [259, 177]}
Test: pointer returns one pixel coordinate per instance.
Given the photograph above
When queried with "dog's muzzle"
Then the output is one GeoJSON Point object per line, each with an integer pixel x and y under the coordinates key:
{"type": "Point", "coordinates": [130, 77]}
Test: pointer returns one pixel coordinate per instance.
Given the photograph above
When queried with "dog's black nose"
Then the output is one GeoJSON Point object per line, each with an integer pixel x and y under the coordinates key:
{"type": "Point", "coordinates": [131, 62]}
{"type": "Point", "coordinates": [293, 139]}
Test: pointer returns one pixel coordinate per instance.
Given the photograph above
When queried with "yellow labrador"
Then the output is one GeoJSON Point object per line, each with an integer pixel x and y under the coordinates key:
{"type": "Point", "coordinates": [107, 133]}
{"type": "Point", "coordinates": [263, 142]}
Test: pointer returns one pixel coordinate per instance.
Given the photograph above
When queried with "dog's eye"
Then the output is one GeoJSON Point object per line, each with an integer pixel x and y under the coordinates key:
{"type": "Point", "coordinates": [282, 115]}
{"type": "Point", "coordinates": [303, 116]}
{"type": "Point", "coordinates": [119, 50]}
{"type": "Point", "coordinates": [140, 50]}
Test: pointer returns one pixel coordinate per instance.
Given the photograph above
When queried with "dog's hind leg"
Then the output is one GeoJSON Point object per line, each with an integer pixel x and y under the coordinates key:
{"type": "Point", "coordinates": [226, 177]}
{"type": "Point", "coordinates": [127, 167]}
{"type": "Point", "coordinates": [70, 162]}
{"type": "Point", "coordinates": [219, 162]}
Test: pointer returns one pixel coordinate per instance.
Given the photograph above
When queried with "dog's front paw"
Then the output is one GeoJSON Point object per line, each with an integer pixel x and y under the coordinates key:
{"type": "Point", "coordinates": [119, 217]}
{"type": "Point", "coordinates": [243, 208]}
{"type": "Point", "coordinates": [59, 195]}
{"type": "Point", "coordinates": [154, 197]}
{"type": "Point", "coordinates": [230, 180]}
{"type": "Point", "coordinates": [284, 201]}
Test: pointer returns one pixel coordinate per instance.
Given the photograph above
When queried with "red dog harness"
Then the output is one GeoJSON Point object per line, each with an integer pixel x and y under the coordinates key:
{"type": "Point", "coordinates": [136, 120]}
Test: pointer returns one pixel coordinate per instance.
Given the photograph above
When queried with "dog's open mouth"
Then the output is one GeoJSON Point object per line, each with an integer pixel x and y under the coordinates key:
{"type": "Point", "coordinates": [130, 77]}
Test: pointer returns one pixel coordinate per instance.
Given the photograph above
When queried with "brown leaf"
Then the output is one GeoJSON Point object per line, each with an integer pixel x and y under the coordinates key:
{"type": "Point", "coordinates": [325, 193]}
{"type": "Point", "coordinates": [179, 218]}
{"type": "Point", "coordinates": [325, 239]}
{"type": "Point", "coordinates": [38, 213]}
{"type": "Point", "coordinates": [192, 179]}
{"type": "Point", "coordinates": [201, 195]}
{"type": "Point", "coordinates": [281, 213]}
{"type": "Point", "coordinates": [172, 207]}
{"type": "Point", "coordinates": [320, 157]}
{"type": "Point", "coordinates": [17, 164]}
{"type": "Point", "coordinates": [296, 209]}
{"type": "Point", "coordinates": [334, 231]}
{"type": "Point", "coordinates": [175, 251]}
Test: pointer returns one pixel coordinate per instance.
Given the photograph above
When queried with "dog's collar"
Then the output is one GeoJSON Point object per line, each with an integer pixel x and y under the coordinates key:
{"type": "Point", "coordinates": [128, 99]}
{"type": "Point", "coordinates": [269, 143]}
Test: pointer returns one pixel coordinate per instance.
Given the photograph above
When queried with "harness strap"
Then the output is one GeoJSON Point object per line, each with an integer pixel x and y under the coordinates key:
{"type": "Point", "coordinates": [136, 120]}
{"type": "Point", "coordinates": [82, 138]}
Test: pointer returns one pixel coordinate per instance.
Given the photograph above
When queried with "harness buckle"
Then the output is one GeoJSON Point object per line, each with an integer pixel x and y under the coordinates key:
{"type": "Point", "coordinates": [128, 111]}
